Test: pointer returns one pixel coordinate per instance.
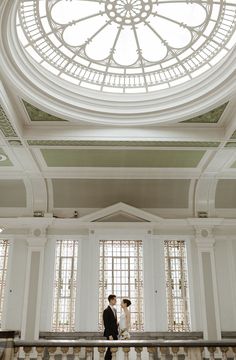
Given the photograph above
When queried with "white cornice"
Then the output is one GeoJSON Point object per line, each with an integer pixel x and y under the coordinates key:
{"type": "Point", "coordinates": [85, 222]}
{"type": "Point", "coordinates": [207, 132]}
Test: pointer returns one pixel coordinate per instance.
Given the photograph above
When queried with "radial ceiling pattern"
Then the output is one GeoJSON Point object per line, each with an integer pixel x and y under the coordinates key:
{"type": "Point", "coordinates": [126, 46]}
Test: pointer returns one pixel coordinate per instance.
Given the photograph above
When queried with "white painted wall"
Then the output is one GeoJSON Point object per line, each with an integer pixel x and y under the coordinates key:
{"type": "Point", "coordinates": [194, 285]}
{"type": "Point", "coordinates": [225, 273]}
{"type": "Point", "coordinates": [154, 278]}
{"type": "Point", "coordinates": [160, 301]}
{"type": "Point", "coordinates": [15, 284]}
{"type": "Point", "coordinates": [48, 282]}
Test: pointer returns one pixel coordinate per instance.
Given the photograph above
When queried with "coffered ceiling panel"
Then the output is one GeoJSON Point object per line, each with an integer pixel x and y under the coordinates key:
{"type": "Point", "coordinates": [122, 158]}
{"type": "Point", "coordinates": [12, 193]}
{"type": "Point", "coordinates": [77, 193]}
{"type": "Point", "coordinates": [226, 194]}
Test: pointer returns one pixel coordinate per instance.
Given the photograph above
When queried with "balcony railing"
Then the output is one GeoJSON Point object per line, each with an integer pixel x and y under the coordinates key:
{"type": "Point", "coordinates": [123, 350]}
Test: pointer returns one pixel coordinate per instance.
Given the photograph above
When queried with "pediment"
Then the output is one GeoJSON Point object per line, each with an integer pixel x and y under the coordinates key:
{"type": "Point", "coordinates": [121, 216]}
{"type": "Point", "coordinates": [120, 212]}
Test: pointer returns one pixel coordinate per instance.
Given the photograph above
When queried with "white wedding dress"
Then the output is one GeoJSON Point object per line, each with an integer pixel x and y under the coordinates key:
{"type": "Point", "coordinates": [123, 331]}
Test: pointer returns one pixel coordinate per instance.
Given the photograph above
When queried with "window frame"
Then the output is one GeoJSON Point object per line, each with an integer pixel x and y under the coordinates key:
{"type": "Point", "coordinates": [182, 306]}
{"type": "Point", "coordinates": [73, 282]}
{"type": "Point", "coordinates": [138, 325]}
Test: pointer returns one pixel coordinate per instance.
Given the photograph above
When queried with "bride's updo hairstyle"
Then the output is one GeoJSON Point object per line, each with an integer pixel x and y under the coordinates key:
{"type": "Point", "coordinates": [127, 302]}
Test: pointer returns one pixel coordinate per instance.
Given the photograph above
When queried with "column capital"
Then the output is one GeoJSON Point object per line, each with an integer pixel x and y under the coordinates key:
{"type": "Point", "coordinates": [204, 236]}
{"type": "Point", "coordinates": [37, 238]}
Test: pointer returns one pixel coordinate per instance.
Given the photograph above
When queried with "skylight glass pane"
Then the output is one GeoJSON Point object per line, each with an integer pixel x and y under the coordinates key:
{"type": "Point", "coordinates": [91, 42]}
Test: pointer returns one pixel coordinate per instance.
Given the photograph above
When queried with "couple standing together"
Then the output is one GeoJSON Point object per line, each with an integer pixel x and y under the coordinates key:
{"type": "Point", "coordinates": [113, 328]}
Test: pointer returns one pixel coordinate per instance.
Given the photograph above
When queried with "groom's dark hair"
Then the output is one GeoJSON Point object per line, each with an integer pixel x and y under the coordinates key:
{"type": "Point", "coordinates": [110, 297]}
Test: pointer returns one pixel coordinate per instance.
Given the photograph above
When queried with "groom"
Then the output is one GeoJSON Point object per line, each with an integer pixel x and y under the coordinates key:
{"type": "Point", "coordinates": [110, 323]}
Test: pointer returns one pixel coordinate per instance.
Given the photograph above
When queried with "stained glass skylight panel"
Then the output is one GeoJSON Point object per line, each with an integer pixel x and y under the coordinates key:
{"type": "Point", "coordinates": [126, 46]}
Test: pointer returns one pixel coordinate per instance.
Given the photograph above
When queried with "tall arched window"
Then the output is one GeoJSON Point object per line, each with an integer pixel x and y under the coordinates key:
{"type": "Point", "coordinates": [4, 250]}
{"type": "Point", "coordinates": [65, 285]}
{"type": "Point", "coordinates": [177, 285]}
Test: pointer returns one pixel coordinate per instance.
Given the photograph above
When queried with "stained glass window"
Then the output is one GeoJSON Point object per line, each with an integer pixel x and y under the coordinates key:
{"type": "Point", "coordinates": [121, 273]}
{"type": "Point", "coordinates": [65, 285]}
{"type": "Point", "coordinates": [177, 285]}
{"type": "Point", "coordinates": [4, 249]}
{"type": "Point", "coordinates": [127, 46]}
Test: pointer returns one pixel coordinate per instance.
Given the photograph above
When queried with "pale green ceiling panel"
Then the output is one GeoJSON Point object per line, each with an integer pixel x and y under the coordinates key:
{"type": "Point", "coordinates": [12, 193]}
{"type": "Point", "coordinates": [3, 161]}
{"type": "Point", "coordinates": [226, 194]}
{"type": "Point", "coordinates": [230, 144]}
{"type": "Point", "coordinates": [122, 158]}
{"type": "Point", "coordinates": [233, 166]}
{"type": "Point", "coordinates": [36, 114]}
{"type": "Point", "coordinates": [212, 116]}
{"type": "Point", "coordinates": [99, 193]}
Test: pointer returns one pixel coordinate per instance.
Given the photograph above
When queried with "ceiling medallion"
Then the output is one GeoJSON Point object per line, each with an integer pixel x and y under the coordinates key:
{"type": "Point", "coordinates": [126, 46]}
{"type": "Point", "coordinates": [128, 12]}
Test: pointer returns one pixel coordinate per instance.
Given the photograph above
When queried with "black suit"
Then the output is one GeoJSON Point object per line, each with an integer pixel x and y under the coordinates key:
{"type": "Point", "coordinates": [111, 328]}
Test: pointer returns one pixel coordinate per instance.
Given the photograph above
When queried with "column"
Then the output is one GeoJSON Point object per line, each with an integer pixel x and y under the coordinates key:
{"type": "Point", "coordinates": [151, 321]}
{"type": "Point", "coordinates": [33, 285]}
{"type": "Point", "coordinates": [209, 295]}
{"type": "Point", "coordinates": [159, 279]}
{"type": "Point", "coordinates": [89, 281]}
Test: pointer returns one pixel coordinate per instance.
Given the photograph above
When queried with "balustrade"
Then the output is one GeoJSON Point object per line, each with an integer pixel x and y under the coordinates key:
{"type": "Point", "coordinates": [124, 350]}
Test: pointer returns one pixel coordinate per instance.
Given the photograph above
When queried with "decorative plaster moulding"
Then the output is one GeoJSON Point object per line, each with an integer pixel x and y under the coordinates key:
{"type": "Point", "coordinates": [202, 223]}
{"type": "Point", "coordinates": [3, 157]}
{"type": "Point", "coordinates": [52, 94]}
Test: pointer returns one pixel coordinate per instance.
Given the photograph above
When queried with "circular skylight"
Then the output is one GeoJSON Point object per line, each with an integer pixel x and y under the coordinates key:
{"type": "Point", "coordinates": [126, 46]}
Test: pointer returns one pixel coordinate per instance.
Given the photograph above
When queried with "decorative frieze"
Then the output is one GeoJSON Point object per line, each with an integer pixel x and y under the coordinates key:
{"type": "Point", "coordinates": [5, 125]}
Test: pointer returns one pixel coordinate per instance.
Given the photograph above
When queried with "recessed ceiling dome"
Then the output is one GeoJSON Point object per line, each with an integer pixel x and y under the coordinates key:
{"type": "Point", "coordinates": [120, 62]}
{"type": "Point", "coordinates": [126, 46]}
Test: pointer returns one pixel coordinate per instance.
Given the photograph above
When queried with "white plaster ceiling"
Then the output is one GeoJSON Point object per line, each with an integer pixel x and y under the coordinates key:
{"type": "Point", "coordinates": [24, 142]}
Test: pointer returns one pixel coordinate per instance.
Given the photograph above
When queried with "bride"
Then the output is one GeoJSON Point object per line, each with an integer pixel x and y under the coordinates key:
{"type": "Point", "coordinates": [124, 323]}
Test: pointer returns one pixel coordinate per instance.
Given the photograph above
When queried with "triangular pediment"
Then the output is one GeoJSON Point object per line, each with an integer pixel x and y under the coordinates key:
{"type": "Point", "coordinates": [121, 216]}
{"type": "Point", "coordinates": [120, 212]}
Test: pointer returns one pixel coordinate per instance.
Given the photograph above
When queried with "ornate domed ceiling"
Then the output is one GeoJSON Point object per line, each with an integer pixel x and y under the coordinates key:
{"type": "Point", "coordinates": [122, 62]}
{"type": "Point", "coordinates": [57, 145]}
{"type": "Point", "coordinates": [126, 45]}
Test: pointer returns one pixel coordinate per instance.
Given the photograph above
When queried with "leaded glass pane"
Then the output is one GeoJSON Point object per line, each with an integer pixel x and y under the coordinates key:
{"type": "Point", "coordinates": [65, 285]}
{"type": "Point", "coordinates": [177, 285]}
{"type": "Point", "coordinates": [121, 273]}
{"type": "Point", "coordinates": [126, 46]}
